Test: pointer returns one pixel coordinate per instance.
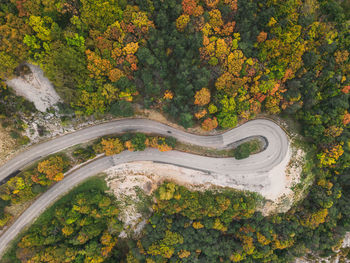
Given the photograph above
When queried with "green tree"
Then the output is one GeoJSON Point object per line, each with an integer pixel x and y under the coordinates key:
{"type": "Point", "coordinates": [122, 108]}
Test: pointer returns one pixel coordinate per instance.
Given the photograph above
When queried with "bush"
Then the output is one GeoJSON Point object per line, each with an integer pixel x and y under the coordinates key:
{"type": "Point", "coordinates": [171, 141]}
{"type": "Point", "coordinates": [245, 149]}
{"type": "Point", "coordinates": [186, 120]}
{"type": "Point", "coordinates": [23, 140]}
{"type": "Point", "coordinates": [5, 124]}
{"type": "Point", "coordinates": [65, 109]}
{"type": "Point", "coordinates": [242, 151]}
{"type": "Point", "coordinates": [112, 146]}
{"type": "Point", "coordinates": [138, 141]}
{"type": "Point", "coordinates": [38, 188]}
{"type": "Point", "coordinates": [14, 135]}
{"type": "Point", "coordinates": [84, 154]}
{"type": "Point", "coordinates": [4, 219]}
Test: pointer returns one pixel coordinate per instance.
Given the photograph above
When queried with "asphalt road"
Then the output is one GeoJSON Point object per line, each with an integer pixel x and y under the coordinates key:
{"type": "Point", "coordinates": [255, 173]}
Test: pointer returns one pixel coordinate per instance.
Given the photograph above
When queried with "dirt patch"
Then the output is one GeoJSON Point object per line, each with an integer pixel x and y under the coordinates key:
{"type": "Point", "coordinates": [7, 145]}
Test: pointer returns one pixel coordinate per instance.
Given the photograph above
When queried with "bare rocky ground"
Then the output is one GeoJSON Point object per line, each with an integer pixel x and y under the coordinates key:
{"type": "Point", "coordinates": [286, 195]}
{"type": "Point", "coordinates": [36, 88]}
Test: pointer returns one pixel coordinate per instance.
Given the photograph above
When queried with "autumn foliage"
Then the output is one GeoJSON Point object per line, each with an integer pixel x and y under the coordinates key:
{"type": "Point", "coordinates": [53, 168]}
{"type": "Point", "coordinates": [112, 146]}
{"type": "Point", "coordinates": [202, 97]}
{"type": "Point", "coordinates": [209, 124]}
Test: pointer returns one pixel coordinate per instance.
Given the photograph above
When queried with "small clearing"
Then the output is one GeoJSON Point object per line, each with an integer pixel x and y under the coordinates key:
{"type": "Point", "coordinates": [36, 88]}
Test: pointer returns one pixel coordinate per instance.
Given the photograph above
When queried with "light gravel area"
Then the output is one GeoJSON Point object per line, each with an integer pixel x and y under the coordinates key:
{"type": "Point", "coordinates": [286, 196]}
{"type": "Point", "coordinates": [36, 88]}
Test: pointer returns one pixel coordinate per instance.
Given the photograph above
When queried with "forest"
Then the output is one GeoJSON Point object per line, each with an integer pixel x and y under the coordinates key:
{"type": "Point", "coordinates": [207, 63]}
{"type": "Point", "coordinates": [86, 212]}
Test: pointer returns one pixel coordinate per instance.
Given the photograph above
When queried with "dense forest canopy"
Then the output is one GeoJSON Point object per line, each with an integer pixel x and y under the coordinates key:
{"type": "Point", "coordinates": [211, 63]}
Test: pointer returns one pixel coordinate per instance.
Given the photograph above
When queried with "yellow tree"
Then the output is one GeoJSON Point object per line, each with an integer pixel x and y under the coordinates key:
{"type": "Point", "coordinates": [209, 124]}
{"type": "Point", "coordinates": [215, 18]}
{"type": "Point", "coordinates": [261, 37]}
{"type": "Point", "coordinates": [202, 97]}
{"type": "Point", "coordinates": [315, 219]}
{"type": "Point", "coordinates": [115, 74]}
{"type": "Point", "coordinates": [200, 114]}
{"type": "Point", "coordinates": [168, 95]}
{"type": "Point", "coordinates": [330, 156]}
{"type": "Point", "coordinates": [182, 22]}
{"type": "Point", "coordinates": [211, 3]}
{"type": "Point", "coordinates": [52, 168]}
{"type": "Point", "coordinates": [112, 146]}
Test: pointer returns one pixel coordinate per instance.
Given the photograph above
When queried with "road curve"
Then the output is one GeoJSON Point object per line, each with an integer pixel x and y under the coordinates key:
{"type": "Point", "coordinates": [259, 172]}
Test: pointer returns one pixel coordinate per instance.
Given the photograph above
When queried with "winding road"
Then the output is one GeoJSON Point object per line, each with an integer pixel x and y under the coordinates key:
{"type": "Point", "coordinates": [262, 172]}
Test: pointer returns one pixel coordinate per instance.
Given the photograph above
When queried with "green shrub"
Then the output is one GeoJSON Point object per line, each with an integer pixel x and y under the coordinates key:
{"type": "Point", "coordinates": [138, 141]}
{"type": "Point", "coordinates": [14, 134]}
{"type": "Point", "coordinates": [171, 141]}
{"type": "Point", "coordinates": [245, 149]}
{"type": "Point", "coordinates": [122, 109]}
{"type": "Point", "coordinates": [23, 140]}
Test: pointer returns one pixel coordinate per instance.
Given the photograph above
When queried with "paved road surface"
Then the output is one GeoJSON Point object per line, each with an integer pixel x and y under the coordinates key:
{"type": "Point", "coordinates": [256, 173]}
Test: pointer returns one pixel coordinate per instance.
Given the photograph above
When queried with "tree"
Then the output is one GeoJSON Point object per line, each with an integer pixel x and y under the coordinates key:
{"type": "Point", "coordinates": [209, 124]}
{"type": "Point", "coordinates": [100, 14]}
{"type": "Point", "coordinates": [77, 227]}
{"type": "Point", "coordinates": [315, 219]}
{"type": "Point", "coordinates": [12, 48]}
{"type": "Point", "coordinates": [186, 120]}
{"type": "Point", "coordinates": [182, 22]}
{"type": "Point", "coordinates": [261, 37]}
{"type": "Point", "coordinates": [329, 156]}
{"type": "Point", "coordinates": [245, 149]}
{"type": "Point", "coordinates": [122, 108]}
{"type": "Point", "coordinates": [66, 67]}
{"type": "Point", "coordinates": [139, 141]}
{"type": "Point", "coordinates": [53, 167]}
{"type": "Point", "coordinates": [227, 118]}
{"type": "Point", "coordinates": [211, 3]}
{"type": "Point", "coordinates": [112, 146]}
{"type": "Point", "coordinates": [115, 74]}
{"type": "Point", "coordinates": [202, 97]}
